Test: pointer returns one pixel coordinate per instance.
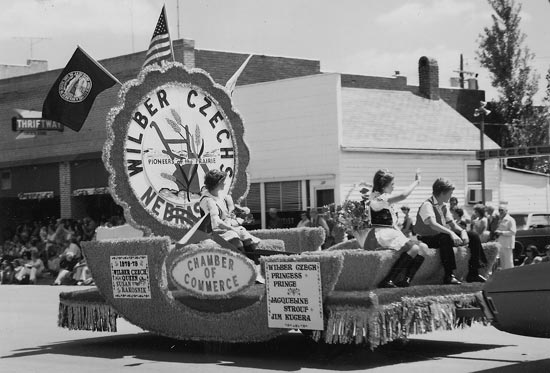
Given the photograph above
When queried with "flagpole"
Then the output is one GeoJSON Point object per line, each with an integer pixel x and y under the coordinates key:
{"type": "Point", "coordinates": [178, 10]}
{"type": "Point", "coordinates": [99, 65]}
{"type": "Point", "coordinates": [168, 31]}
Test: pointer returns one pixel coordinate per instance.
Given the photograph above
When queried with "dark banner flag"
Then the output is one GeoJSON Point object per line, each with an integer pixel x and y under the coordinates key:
{"type": "Point", "coordinates": [73, 93]}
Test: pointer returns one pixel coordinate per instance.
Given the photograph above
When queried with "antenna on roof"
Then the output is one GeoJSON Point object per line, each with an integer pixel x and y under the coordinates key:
{"type": "Point", "coordinates": [461, 72]}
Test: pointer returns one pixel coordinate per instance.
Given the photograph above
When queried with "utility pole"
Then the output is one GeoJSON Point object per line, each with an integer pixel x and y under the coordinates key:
{"type": "Point", "coordinates": [462, 73]}
{"type": "Point", "coordinates": [482, 112]}
{"type": "Point", "coordinates": [32, 41]}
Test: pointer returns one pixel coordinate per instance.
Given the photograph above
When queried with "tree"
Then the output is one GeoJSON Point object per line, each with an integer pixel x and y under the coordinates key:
{"type": "Point", "coordinates": [503, 52]}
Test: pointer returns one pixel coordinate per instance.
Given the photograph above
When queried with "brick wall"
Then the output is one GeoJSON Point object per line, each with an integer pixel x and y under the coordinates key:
{"type": "Point", "coordinates": [222, 65]}
{"type": "Point", "coordinates": [65, 190]}
{"type": "Point", "coordinates": [29, 91]}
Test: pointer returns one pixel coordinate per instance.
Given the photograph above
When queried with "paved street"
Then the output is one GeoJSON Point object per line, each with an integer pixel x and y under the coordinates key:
{"type": "Point", "coordinates": [30, 341]}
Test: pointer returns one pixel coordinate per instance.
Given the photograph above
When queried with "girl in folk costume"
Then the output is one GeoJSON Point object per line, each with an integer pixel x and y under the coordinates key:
{"type": "Point", "coordinates": [386, 233]}
{"type": "Point", "coordinates": [222, 213]}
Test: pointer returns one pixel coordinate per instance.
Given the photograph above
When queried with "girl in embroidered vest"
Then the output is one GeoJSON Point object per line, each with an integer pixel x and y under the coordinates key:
{"type": "Point", "coordinates": [222, 213]}
{"type": "Point", "coordinates": [386, 233]}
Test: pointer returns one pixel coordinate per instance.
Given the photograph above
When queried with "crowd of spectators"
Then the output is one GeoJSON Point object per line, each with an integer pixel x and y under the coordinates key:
{"type": "Point", "coordinates": [49, 249]}
{"type": "Point", "coordinates": [497, 225]}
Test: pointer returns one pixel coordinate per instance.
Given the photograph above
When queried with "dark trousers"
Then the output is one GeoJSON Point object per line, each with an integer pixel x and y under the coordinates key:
{"type": "Point", "coordinates": [444, 243]}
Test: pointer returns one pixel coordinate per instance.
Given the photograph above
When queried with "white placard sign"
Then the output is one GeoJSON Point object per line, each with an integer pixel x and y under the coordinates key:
{"type": "Point", "coordinates": [130, 276]}
{"type": "Point", "coordinates": [294, 295]}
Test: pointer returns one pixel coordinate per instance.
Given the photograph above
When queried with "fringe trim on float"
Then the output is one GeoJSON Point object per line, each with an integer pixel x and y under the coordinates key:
{"type": "Point", "coordinates": [375, 326]}
{"type": "Point", "coordinates": [87, 316]}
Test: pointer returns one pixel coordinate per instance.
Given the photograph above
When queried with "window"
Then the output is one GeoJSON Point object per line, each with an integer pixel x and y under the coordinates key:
{"type": "Point", "coordinates": [5, 181]}
{"type": "Point", "coordinates": [474, 174]}
{"type": "Point", "coordinates": [252, 200]}
{"type": "Point", "coordinates": [324, 197]}
{"type": "Point", "coordinates": [284, 195]}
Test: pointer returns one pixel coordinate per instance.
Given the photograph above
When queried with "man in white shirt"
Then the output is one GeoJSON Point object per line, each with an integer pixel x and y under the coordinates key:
{"type": "Point", "coordinates": [436, 227]}
{"type": "Point", "coordinates": [506, 237]}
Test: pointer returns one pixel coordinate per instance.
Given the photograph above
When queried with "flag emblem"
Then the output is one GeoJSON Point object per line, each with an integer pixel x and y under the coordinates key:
{"type": "Point", "coordinates": [160, 47]}
{"type": "Point", "coordinates": [71, 96]}
{"type": "Point", "coordinates": [75, 86]}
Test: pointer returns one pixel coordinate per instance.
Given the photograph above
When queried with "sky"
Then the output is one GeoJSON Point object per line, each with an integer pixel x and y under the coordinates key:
{"type": "Point", "coordinates": [367, 37]}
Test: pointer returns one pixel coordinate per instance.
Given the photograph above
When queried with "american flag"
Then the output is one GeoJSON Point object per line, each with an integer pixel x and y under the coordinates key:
{"type": "Point", "coordinates": [160, 48]}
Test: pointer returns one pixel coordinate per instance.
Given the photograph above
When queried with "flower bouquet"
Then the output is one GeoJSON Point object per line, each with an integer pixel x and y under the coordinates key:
{"type": "Point", "coordinates": [353, 216]}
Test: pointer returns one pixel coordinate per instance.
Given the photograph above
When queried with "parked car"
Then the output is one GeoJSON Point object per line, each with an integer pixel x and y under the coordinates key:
{"type": "Point", "coordinates": [517, 300]}
{"type": "Point", "coordinates": [532, 229]}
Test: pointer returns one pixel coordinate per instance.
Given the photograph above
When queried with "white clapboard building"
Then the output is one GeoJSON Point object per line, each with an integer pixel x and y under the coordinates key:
{"type": "Point", "coordinates": [313, 138]}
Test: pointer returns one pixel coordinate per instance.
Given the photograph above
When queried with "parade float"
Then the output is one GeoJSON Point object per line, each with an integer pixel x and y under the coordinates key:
{"type": "Point", "coordinates": [169, 127]}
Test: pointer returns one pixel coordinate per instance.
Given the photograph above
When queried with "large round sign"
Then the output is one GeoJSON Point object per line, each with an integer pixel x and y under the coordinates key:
{"type": "Point", "coordinates": [170, 128]}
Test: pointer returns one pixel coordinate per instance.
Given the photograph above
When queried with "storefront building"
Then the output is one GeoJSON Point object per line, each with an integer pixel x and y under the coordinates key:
{"type": "Point", "coordinates": [308, 134]}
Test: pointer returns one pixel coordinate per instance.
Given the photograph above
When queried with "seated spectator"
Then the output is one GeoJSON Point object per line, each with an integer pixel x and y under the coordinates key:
{"type": "Point", "coordinates": [82, 274]}
{"type": "Point", "coordinates": [493, 219]}
{"type": "Point", "coordinates": [479, 222]}
{"type": "Point", "coordinates": [17, 247]}
{"type": "Point", "coordinates": [407, 224]}
{"type": "Point", "coordinates": [30, 270]}
{"type": "Point", "coordinates": [88, 229]}
{"type": "Point", "coordinates": [10, 251]}
{"type": "Point", "coordinates": [304, 220]}
{"type": "Point", "coordinates": [273, 220]}
{"type": "Point", "coordinates": [453, 204]}
{"type": "Point", "coordinates": [7, 271]}
{"type": "Point", "coordinates": [68, 260]}
{"type": "Point", "coordinates": [317, 220]}
{"type": "Point", "coordinates": [458, 216]}
{"type": "Point", "coordinates": [51, 233]}
{"type": "Point", "coordinates": [53, 257]}
{"type": "Point", "coordinates": [545, 254]}
{"type": "Point", "coordinates": [436, 227]}
{"type": "Point", "coordinates": [532, 255]}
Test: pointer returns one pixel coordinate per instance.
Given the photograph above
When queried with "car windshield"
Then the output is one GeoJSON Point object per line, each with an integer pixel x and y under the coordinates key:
{"type": "Point", "coordinates": [536, 220]}
{"type": "Point", "coordinates": [521, 220]}
{"type": "Point", "coordinates": [540, 219]}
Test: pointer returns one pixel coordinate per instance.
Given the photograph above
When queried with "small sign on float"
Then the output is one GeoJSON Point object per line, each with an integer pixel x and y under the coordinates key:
{"type": "Point", "coordinates": [130, 276]}
{"type": "Point", "coordinates": [294, 295]}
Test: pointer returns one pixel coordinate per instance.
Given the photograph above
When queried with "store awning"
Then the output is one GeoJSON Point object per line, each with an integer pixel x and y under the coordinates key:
{"type": "Point", "coordinates": [90, 191]}
{"type": "Point", "coordinates": [36, 195]}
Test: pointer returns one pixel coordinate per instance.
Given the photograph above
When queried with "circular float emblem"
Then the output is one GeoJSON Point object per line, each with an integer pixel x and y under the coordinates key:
{"type": "Point", "coordinates": [172, 128]}
{"type": "Point", "coordinates": [75, 86]}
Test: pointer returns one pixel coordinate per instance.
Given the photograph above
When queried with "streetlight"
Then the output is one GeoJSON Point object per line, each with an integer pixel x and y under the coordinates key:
{"type": "Point", "coordinates": [482, 112]}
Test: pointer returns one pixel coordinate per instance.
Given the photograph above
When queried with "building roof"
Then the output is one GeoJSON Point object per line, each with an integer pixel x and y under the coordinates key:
{"type": "Point", "coordinates": [387, 119]}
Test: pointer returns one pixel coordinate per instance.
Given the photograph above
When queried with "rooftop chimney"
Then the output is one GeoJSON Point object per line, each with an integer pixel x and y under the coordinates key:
{"type": "Point", "coordinates": [184, 52]}
{"type": "Point", "coordinates": [428, 77]}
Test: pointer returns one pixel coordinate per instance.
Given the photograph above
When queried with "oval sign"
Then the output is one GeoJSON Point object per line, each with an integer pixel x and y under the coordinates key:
{"type": "Point", "coordinates": [169, 128]}
{"type": "Point", "coordinates": [212, 273]}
